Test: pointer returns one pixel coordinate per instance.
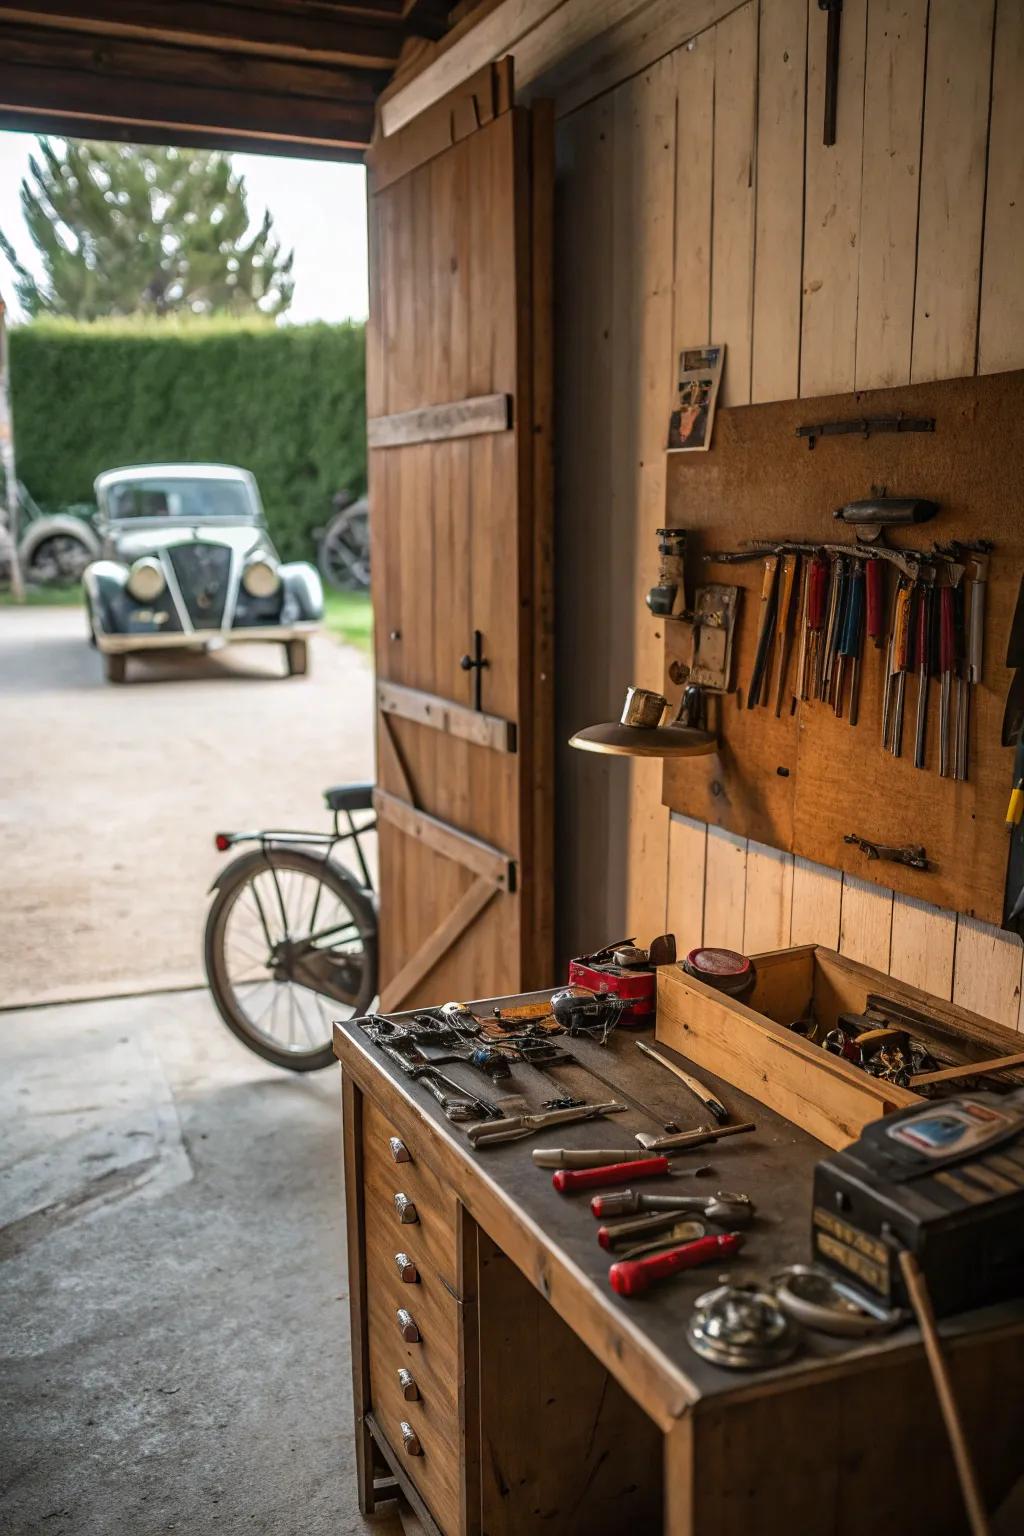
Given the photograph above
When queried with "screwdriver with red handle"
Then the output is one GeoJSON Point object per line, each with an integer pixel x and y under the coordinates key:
{"type": "Point", "coordinates": [631, 1277]}
{"type": "Point", "coordinates": [814, 623]}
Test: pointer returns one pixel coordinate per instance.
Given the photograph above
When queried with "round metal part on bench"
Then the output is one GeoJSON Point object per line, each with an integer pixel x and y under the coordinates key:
{"type": "Point", "coordinates": [639, 733]}
{"type": "Point", "coordinates": [819, 1302]}
{"type": "Point", "coordinates": [741, 1327]}
{"type": "Point", "coordinates": [724, 969]}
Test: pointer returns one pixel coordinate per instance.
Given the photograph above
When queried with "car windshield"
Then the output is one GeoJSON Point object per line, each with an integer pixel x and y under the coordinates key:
{"type": "Point", "coordinates": [184, 497]}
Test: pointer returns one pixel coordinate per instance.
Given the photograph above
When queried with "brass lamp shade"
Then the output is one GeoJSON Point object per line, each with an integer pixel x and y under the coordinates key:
{"type": "Point", "coordinates": [620, 740]}
{"type": "Point", "coordinates": [639, 732]}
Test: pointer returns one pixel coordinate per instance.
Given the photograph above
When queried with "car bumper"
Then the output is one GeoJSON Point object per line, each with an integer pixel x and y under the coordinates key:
{"type": "Point", "coordinates": [203, 639]}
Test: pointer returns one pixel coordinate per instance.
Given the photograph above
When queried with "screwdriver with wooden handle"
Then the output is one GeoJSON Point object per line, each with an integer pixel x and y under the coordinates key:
{"type": "Point", "coordinates": [833, 615]}
{"type": "Point", "coordinates": [766, 616]}
{"type": "Point", "coordinates": [784, 617]}
{"type": "Point", "coordinates": [901, 638]}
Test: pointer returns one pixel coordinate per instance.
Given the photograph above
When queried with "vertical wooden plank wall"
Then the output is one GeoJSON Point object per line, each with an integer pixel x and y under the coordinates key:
{"type": "Point", "coordinates": [895, 256]}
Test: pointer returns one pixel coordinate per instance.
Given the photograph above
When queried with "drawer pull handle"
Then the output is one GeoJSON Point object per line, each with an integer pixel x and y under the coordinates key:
{"type": "Point", "coordinates": [406, 1327]}
{"type": "Point", "coordinates": [407, 1382]}
{"type": "Point", "coordinates": [410, 1439]}
{"type": "Point", "coordinates": [407, 1269]}
{"type": "Point", "coordinates": [405, 1208]}
{"type": "Point", "coordinates": [399, 1151]}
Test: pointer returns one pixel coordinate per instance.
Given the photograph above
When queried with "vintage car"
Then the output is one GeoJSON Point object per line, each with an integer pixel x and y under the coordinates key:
{"type": "Point", "coordinates": [187, 561]}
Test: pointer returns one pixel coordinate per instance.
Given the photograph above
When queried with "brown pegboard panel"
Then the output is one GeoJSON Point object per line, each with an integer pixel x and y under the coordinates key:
{"type": "Point", "coordinates": [803, 781]}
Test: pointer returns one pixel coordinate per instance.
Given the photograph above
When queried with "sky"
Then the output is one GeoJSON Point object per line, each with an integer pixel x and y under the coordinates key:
{"type": "Point", "coordinates": [318, 207]}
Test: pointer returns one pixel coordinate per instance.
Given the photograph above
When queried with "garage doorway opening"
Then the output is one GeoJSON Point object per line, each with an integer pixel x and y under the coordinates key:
{"type": "Point", "coordinates": [200, 313]}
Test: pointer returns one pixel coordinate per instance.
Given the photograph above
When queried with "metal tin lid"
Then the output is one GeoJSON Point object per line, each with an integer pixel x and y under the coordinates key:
{"type": "Point", "coordinates": [741, 1327]}
{"type": "Point", "coordinates": [724, 969]}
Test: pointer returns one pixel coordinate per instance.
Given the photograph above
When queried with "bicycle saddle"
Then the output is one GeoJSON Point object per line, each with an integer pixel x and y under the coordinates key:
{"type": "Point", "coordinates": [349, 797]}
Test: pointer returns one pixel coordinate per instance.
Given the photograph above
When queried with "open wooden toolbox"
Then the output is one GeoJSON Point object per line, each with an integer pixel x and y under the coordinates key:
{"type": "Point", "coordinates": [749, 1044]}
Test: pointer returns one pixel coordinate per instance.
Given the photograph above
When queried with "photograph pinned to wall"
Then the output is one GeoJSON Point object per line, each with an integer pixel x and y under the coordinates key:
{"type": "Point", "coordinates": [700, 373]}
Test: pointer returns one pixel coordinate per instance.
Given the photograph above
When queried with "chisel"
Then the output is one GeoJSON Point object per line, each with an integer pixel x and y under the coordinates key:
{"type": "Point", "coordinates": [770, 569]}
{"type": "Point", "coordinates": [887, 693]}
{"type": "Point", "coordinates": [801, 661]}
{"type": "Point", "coordinates": [850, 641]}
{"type": "Point", "coordinates": [784, 616]}
{"type": "Point", "coordinates": [975, 635]}
{"type": "Point", "coordinates": [925, 611]}
{"type": "Point", "coordinates": [817, 588]}
{"type": "Point", "coordinates": [691, 1138]}
{"type": "Point", "coordinates": [836, 587]}
{"type": "Point", "coordinates": [947, 662]}
{"type": "Point", "coordinates": [960, 644]}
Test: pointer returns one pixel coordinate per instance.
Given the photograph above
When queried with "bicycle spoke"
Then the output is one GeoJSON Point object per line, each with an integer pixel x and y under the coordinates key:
{"type": "Point", "coordinates": [252, 892]}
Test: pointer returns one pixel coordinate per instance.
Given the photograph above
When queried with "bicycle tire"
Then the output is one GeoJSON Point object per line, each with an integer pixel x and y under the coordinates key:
{"type": "Point", "coordinates": [230, 886]}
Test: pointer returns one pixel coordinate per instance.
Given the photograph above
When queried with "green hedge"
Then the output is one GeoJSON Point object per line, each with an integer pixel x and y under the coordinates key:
{"type": "Point", "coordinates": [287, 402]}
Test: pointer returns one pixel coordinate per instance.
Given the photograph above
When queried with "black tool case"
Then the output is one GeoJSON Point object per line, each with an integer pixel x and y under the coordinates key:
{"type": "Point", "coordinates": [944, 1180]}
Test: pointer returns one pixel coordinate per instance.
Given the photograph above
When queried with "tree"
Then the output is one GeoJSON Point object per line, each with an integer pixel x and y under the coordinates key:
{"type": "Point", "coordinates": [124, 230]}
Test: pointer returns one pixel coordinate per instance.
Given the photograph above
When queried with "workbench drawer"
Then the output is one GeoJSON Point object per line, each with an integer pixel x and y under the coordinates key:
{"type": "Point", "coordinates": [429, 1452]}
{"type": "Point", "coordinates": [384, 1179]}
{"type": "Point", "coordinates": [432, 1362]}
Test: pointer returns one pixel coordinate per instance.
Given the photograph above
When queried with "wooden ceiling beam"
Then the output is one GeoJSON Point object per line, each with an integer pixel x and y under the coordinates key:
{"type": "Point", "coordinates": [127, 62]}
{"type": "Point", "coordinates": [160, 86]}
{"type": "Point", "coordinates": [316, 33]}
{"type": "Point", "coordinates": [31, 120]}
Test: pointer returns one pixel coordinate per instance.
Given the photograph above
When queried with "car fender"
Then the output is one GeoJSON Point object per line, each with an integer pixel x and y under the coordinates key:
{"type": "Point", "coordinates": [43, 528]}
{"type": "Point", "coordinates": [303, 591]}
{"type": "Point", "coordinates": [104, 580]}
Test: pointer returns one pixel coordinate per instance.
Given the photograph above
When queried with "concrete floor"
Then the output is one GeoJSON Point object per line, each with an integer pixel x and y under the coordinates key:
{"type": "Point", "coordinates": [174, 1325]}
{"type": "Point", "coordinates": [110, 795]}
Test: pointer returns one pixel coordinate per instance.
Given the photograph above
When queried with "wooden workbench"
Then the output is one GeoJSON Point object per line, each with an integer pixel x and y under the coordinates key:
{"type": "Point", "coordinates": [546, 1402]}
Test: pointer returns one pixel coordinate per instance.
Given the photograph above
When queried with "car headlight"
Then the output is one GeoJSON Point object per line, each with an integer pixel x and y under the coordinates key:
{"type": "Point", "coordinates": [146, 579]}
{"type": "Point", "coordinates": [260, 578]}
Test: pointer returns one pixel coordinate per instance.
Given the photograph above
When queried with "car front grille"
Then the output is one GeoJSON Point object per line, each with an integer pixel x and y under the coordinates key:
{"type": "Point", "coordinates": [202, 572]}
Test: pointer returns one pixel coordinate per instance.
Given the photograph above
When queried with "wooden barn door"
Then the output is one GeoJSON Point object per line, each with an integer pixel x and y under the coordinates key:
{"type": "Point", "coordinates": [458, 394]}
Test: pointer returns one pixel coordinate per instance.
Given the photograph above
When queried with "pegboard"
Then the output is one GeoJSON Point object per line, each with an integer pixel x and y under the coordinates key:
{"type": "Point", "coordinates": [803, 781]}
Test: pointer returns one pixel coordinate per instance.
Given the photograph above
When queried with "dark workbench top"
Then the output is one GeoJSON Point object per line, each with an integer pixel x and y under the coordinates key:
{"type": "Point", "coordinates": [774, 1165]}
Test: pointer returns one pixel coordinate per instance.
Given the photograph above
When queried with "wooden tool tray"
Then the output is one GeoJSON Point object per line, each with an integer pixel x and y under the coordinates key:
{"type": "Point", "coordinates": [748, 1043]}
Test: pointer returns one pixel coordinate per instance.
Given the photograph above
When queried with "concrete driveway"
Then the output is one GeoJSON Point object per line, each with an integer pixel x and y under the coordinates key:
{"type": "Point", "coordinates": [110, 795]}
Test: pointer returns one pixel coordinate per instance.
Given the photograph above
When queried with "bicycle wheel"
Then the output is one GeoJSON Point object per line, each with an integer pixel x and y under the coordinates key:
{"type": "Point", "coordinates": [291, 945]}
{"type": "Point", "coordinates": [344, 554]}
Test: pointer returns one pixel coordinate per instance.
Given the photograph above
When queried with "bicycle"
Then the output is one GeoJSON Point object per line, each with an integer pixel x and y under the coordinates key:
{"type": "Point", "coordinates": [291, 935]}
